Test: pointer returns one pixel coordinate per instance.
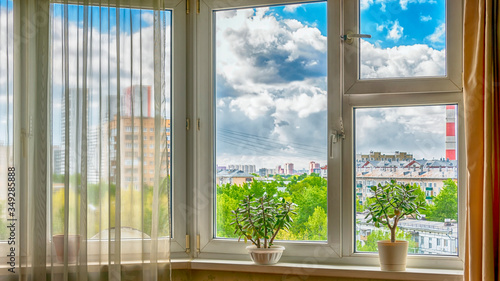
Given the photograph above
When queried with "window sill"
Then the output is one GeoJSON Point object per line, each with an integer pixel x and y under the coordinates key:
{"type": "Point", "coordinates": [340, 271]}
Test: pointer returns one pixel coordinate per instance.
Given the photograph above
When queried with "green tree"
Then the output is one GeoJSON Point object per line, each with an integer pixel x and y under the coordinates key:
{"type": "Point", "coordinates": [359, 208]}
{"type": "Point", "coordinates": [316, 225]}
{"type": "Point", "coordinates": [4, 232]}
{"type": "Point", "coordinates": [371, 245]}
{"type": "Point", "coordinates": [445, 203]}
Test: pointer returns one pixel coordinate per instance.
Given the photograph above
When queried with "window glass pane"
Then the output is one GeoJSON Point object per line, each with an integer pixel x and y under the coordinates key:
{"type": "Point", "coordinates": [408, 38]}
{"type": "Point", "coordinates": [121, 139]}
{"type": "Point", "coordinates": [411, 145]}
{"type": "Point", "coordinates": [7, 170]}
{"type": "Point", "coordinates": [271, 112]}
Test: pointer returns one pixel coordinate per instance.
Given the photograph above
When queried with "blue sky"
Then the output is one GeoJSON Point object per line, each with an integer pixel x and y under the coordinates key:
{"type": "Point", "coordinates": [140, 18]}
{"type": "Point", "coordinates": [418, 20]}
{"type": "Point", "coordinates": [312, 14]}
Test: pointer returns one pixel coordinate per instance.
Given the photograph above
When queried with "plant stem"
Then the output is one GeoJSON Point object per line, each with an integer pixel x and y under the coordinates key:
{"type": "Point", "coordinates": [264, 221]}
{"type": "Point", "coordinates": [393, 234]}
{"type": "Point", "coordinates": [385, 213]}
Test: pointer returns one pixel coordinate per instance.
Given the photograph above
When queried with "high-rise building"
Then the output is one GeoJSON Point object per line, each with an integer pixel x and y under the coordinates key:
{"type": "Point", "coordinates": [289, 169]}
{"type": "Point", "coordinates": [131, 102]}
{"type": "Point", "coordinates": [74, 105]}
{"type": "Point", "coordinates": [314, 167]}
{"type": "Point", "coordinates": [58, 160]}
{"type": "Point", "coordinates": [138, 143]}
{"type": "Point", "coordinates": [279, 170]}
{"type": "Point", "coordinates": [249, 169]}
{"type": "Point", "coordinates": [451, 141]}
{"type": "Point", "coordinates": [93, 154]}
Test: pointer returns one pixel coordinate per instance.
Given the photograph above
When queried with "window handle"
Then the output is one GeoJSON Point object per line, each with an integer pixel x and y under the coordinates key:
{"type": "Point", "coordinates": [335, 137]}
{"type": "Point", "coordinates": [349, 37]}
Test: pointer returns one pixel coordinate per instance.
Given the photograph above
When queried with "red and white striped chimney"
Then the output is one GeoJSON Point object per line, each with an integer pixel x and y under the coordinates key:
{"type": "Point", "coordinates": [451, 141]}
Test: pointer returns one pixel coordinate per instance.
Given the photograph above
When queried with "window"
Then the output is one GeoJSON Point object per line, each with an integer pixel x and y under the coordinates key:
{"type": "Point", "coordinates": [424, 136]}
{"type": "Point", "coordinates": [279, 113]}
{"type": "Point", "coordinates": [107, 122]}
{"type": "Point", "coordinates": [284, 112]}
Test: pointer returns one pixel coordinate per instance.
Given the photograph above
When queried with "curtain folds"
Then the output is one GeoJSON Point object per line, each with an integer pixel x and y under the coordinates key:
{"type": "Point", "coordinates": [482, 128]}
{"type": "Point", "coordinates": [97, 202]}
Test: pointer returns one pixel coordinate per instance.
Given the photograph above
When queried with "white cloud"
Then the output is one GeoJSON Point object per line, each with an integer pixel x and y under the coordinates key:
{"type": "Point", "coordinates": [395, 32]}
{"type": "Point", "coordinates": [419, 130]}
{"type": "Point", "coordinates": [133, 58]}
{"type": "Point", "coordinates": [381, 27]}
{"type": "Point", "coordinates": [365, 4]}
{"type": "Point", "coordinates": [254, 106]}
{"type": "Point", "coordinates": [402, 61]}
{"type": "Point", "coordinates": [248, 43]}
{"type": "Point", "coordinates": [257, 57]}
{"type": "Point", "coordinates": [148, 17]}
{"type": "Point", "coordinates": [438, 35]}
{"type": "Point", "coordinates": [303, 105]}
{"type": "Point", "coordinates": [404, 3]}
{"type": "Point", "coordinates": [425, 18]}
{"type": "Point", "coordinates": [382, 7]}
{"type": "Point", "coordinates": [291, 8]}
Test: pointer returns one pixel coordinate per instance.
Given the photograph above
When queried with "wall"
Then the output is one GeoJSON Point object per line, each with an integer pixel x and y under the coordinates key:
{"type": "Point", "coordinates": [209, 275]}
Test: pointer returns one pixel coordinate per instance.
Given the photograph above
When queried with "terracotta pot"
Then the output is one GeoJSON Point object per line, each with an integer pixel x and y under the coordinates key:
{"type": "Point", "coordinates": [392, 256]}
{"type": "Point", "coordinates": [73, 247]}
{"type": "Point", "coordinates": [265, 256]}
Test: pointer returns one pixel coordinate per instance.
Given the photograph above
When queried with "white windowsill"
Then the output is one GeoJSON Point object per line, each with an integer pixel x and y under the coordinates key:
{"type": "Point", "coordinates": [319, 270]}
{"type": "Point", "coordinates": [342, 271]}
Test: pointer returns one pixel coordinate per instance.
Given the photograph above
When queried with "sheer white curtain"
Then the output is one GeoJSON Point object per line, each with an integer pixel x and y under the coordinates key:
{"type": "Point", "coordinates": [96, 200]}
{"type": "Point", "coordinates": [110, 116]}
{"type": "Point", "coordinates": [7, 168]}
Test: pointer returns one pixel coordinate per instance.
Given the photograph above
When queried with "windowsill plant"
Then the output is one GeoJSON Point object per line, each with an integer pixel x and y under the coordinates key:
{"type": "Point", "coordinates": [389, 204]}
{"type": "Point", "coordinates": [260, 220]}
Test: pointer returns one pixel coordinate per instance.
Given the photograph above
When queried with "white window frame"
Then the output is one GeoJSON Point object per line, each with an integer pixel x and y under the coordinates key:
{"type": "Point", "coordinates": [451, 82]}
{"type": "Point", "coordinates": [203, 166]}
{"type": "Point", "coordinates": [339, 249]}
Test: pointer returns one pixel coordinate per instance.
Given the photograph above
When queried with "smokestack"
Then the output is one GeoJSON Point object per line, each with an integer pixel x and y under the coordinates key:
{"type": "Point", "coordinates": [451, 141]}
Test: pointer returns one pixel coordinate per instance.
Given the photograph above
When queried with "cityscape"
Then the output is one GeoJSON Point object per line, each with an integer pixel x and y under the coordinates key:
{"type": "Point", "coordinates": [435, 234]}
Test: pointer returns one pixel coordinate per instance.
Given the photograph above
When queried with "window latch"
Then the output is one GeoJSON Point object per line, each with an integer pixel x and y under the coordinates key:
{"type": "Point", "coordinates": [349, 37]}
{"type": "Point", "coordinates": [336, 136]}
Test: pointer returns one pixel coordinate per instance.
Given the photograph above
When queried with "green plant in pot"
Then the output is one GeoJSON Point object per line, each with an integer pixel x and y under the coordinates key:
{"type": "Point", "coordinates": [388, 205]}
{"type": "Point", "coordinates": [259, 220]}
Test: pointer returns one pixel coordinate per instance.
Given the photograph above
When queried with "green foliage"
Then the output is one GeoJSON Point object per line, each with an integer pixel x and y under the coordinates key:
{"type": "Point", "coordinates": [316, 225]}
{"type": "Point", "coordinates": [391, 202]}
{"type": "Point", "coordinates": [445, 203]}
{"type": "Point", "coordinates": [259, 220]}
{"type": "Point", "coordinates": [58, 178]}
{"type": "Point", "coordinates": [370, 245]}
{"type": "Point", "coordinates": [309, 194]}
{"type": "Point", "coordinates": [4, 232]}
{"type": "Point", "coordinates": [359, 208]}
{"type": "Point", "coordinates": [136, 208]}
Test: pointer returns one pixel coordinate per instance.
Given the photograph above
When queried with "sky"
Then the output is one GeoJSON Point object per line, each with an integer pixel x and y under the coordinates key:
{"type": "Point", "coordinates": [102, 32]}
{"type": "Point", "coordinates": [135, 66]}
{"type": "Point", "coordinates": [271, 74]}
{"type": "Point", "coordinates": [271, 81]}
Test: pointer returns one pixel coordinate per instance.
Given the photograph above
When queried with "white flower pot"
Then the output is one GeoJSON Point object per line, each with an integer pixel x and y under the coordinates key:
{"type": "Point", "coordinates": [392, 256]}
{"type": "Point", "coordinates": [265, 256]}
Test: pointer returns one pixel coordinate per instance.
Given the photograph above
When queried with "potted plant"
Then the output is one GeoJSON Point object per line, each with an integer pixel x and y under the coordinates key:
{"type": "Point", "coordinates": [259, 220]}
{"type": "Point", "coordinates": [388, 205]}
{"type": "Point", "coordinates": [73, 247]}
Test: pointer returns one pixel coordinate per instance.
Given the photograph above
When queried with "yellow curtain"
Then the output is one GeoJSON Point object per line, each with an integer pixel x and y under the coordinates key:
{"type": "Point", "coordinates": [482, 129]}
